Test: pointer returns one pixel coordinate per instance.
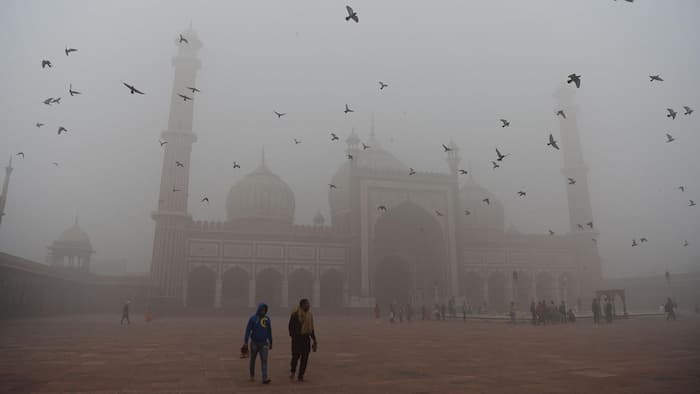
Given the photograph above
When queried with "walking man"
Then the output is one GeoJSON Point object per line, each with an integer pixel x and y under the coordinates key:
{"type": "Point", "coordinates": [595, 308]}
{"type": "Point", "coordinates": [668, 308]}
{"type": "Point", "coordinates": [125, 312]}
{"type": "Point", "coordinates": [259, 332]}
{"type": "Point", "coordinates": [301, 330]}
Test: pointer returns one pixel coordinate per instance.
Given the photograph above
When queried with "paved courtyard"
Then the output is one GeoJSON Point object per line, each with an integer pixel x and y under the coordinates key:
{"type": "Point", "coordinates": [190, 354]}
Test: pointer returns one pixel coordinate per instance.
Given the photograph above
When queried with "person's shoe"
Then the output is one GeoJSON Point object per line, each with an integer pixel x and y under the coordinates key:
{"type": "Point", "coordinates": [267, 381]}
{"type": "Point", "coordinates": [300, 378]}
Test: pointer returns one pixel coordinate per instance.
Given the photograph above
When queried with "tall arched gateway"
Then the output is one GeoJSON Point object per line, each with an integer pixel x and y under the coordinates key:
{"type": "Point", "coordinates": [408, 257]}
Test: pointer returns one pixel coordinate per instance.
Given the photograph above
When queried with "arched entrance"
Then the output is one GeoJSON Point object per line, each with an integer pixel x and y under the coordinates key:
{"type": "Point", "coordinates": [268, 287]}
{"type": "Point", "coordinates": [408, 256]}
{"type": "Point", "coordinates": [234, 288]}
{"type": "Point", "coordinates": [473, 289]}
{"type": "Point", "coordinates": [332, 290]}
{"type": "Point", "coordinates": [497, 292]}
{"type": "Point", "coordinates": [301, 285]}
{"type": "Point", "coordinates": [545, 286]}
{"type": "Point", "coordinates": [201, 287]}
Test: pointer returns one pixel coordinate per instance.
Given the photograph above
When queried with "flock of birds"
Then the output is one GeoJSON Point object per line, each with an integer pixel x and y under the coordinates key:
{"type": "Point", "coordinates": [353, 16]}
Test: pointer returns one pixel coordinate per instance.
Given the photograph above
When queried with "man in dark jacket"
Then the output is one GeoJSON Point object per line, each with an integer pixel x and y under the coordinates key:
{"type": "Point", "coordinates": [301, 330]}
{"type": "Point", "coordinates": [259, 332]}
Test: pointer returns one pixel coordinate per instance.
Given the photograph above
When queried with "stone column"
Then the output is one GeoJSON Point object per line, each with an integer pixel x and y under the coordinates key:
{"type": "Point", "coordinates": [251, 290]}
{"type": "Point", "coordinates": [316, 303]}
{"type": "Point", "coordinates": [217, 292]}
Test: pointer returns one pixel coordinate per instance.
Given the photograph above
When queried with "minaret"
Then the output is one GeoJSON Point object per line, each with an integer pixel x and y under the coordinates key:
{"type": "Point", "coordinates": [579, 199]}
{"type": "Point", "coordinates": [168, 272]}
{"type": "Point", "coordinates": [5, 185]}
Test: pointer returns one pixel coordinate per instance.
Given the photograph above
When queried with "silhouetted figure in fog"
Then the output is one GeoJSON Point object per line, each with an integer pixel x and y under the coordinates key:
{"type": "Point", "coordinates": [259, 332]}
{"type": "Point", "coordinates": [608, 311]}
{"type": "Point", "coordinates": [125, 313]}
{"type": "Point", "coordinates": [451, 307]}
{"type": "Point", "coordinates": [669, 309]}
{"type": "Point", "coordinates": [442, 311]}
{"type": "Point", "coordinates": [301, 330]}
{"type": "Point", "coordinates": [571, 316]}
{"type": "Point", "coordinates": [392, 313]}
{"type": "Point", "coordinates": [377, 314]}
{"type": "Point", "coordinates": [533, 312]}
{"type": "Point", "coordinates": [464, 311]}
{"type": "Point", "coordinates": [541, 309]}
{"type": "Point", "coordinates": [512, 312]}
{"type": "Point", "coordinates": [401, 313]}
{"type": "Point", "coordinates": [595, 308]}
{"type": "Point", "coordinates": [562, 312]}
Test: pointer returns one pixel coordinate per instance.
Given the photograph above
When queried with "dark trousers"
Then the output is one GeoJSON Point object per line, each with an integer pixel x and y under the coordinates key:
{"type": "Point", "coordinates": [304, 360]}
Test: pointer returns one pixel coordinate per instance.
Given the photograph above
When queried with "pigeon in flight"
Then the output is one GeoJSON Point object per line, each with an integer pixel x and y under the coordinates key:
{"type": "Point", "coordinates": [550, 232]}
{"type": "Point", "coordinates": [46, 63]}
{"type": "Point", "coordinates": [438, 213]}
{"type": "Point", "coordinates": [193, 90]}
{"type": "Point", "coordinates": [382, 208]}
{"type": "Point", "coordinates": [590, 224]}
{"type": "Point", "coordinates": [56, 100]}
{"type": "Point", "coordinates": [382, 85]}
{"type": "Point", "coordinates": [595, 241]}
{"type": "Point", "coordinates": [332, 186]}
{"type": "Point", "coordinates": [552, 142]}
{"type": "Point", "coordinates": [501, 156]}
{"type": "Point", "coordinates": [184, 98]}
{"type": "Point", "coordinates": [643, 239]}
{"type": "Point", "coordinates": [681, 188]}
{"type": "Point", "coordinates": [296, 141]}
{"type": "Point", "coordinates": [39, 124]}
{"type": "Point", "coordinates": [132, 89]}
{"type": "Point", "coordinates": [71, 91]}
{"type": "Point", "coordinates": [279, 114]}
{"type": "Point", "coordinates": [561, 113]}
{"type": "Point", "coordinates": [634, 242]}
{"type": "Point", "coordinates": [575, 79]}
{"type": "Point", "coordinates": [365, 146]}
{"type": "Point", "coordinates": [571, 181]}
{"type": "Point", "coordinates": [669, 138]}
{"type": "Point", "coordinates": [62, 129]}
{"type": "Point", "coordinates": [487, 201]}
{"type": "Point", "coordinates": [691, 203]}
{"type": "Point", "coordinates": [495, 165]}
{"type": "Point", "coordinates": [580, 226]}
{"type": "Point", "coordinates": [656, 77]}
{"type": "Point", "coordinates": [175, 190]}
{"type": "Point", "coordinates": [161, 142]}
{"type": "Point", "coordinates": [467, 212]}
{"type": "Point", "coordinates": [48, 101]}
{"type": "Point", "coordinates": [505, 123]}
{"type": "Point", "coordinates": [347, 109]}
{"type": "Point", "coordinates": [411, 171]}
{"type": "Point", "coordinates": [205, 199]}
{"type": "Point", "coordinates": [671, 113]}
{"type": "Point", "coordinates": [688, 110]}
{"type": "Point", "coordinates": [183, 39]}
{"type": "Point", "coordinates": [236, 165]}
{"type": "Point", "coordinates": [685, 243]}
{"type": "Point", "coordinates": [179, 164]}
{"type": "Point", "coordinates": [351, 14]}
{"type": "Point", "coordinates": [20, 154]}
{"type": "Point", "coordinates": [55, 163]}
{"type": "Point", "coordinates": [463, 172]}
{"type": "Point", "coordinates": [522, 193]}
{"type": "Point", "coordinates": [334, 137]}
{"type": "Point", "coordinates": [69, 50]}
{"type": "Point", "coordinates": [446, 148]}
{"type": "Point", "coordinates": [349, 156]}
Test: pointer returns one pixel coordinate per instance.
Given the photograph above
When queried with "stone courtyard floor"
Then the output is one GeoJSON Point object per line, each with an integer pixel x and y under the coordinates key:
{"type": "Point", "coordinates": [200, 354]}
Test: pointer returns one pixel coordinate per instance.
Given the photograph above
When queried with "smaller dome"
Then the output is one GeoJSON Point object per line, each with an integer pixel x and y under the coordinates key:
{"type": "Point", "coordinates": [75, 235]}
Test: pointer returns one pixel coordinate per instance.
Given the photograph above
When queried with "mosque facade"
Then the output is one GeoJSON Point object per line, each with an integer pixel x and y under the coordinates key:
{"type": "Point", "coordinates": [392, 234]}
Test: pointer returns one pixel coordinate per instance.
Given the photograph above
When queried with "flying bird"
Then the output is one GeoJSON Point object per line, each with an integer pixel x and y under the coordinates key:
{"type": "Point", "coordinates": [522, 193]}
{"type": "Point", "coordinates": [236, 165]}
{"type": "Point", "coordinates": [334, 137]}
{"type": "Point", "coordinates": [69, 50]}
{"type": "Point", "coordinates": [580, 226]}
{"type": "Point", "coordinates": [194, 90]}
{"type": "Point", "coordinates": [279, 114]}
{"type": "Point", "coordinates": [571, 181]}
{"type": "Point", "coordinates": [691, 203]}
{"type": "Point", "coordinates": [681, 188]}
{"type": "Point", "coordinates": [438, 213]}
{"type": "Point", "coordinates": [161, 142]}
{"type": "Point", "coordinates": [590, 224]}
{"type": "Point", "coordinates": [332, 186]}
{"type": "Point", "coordinates": [382, 208]}
{"type": "Point", "coordinates": [175, 190]}
{"type": "Point", "coordinates": [467, 212]}
{"type": "Point", "coordinates": [205, 199]}
{"type": "Point", "coordinates": [671, 113]}
{"type": "Point", "coordinates": [365, 146]}
{"type": "Point", "coordinates": [349, 156]}
{"type": "Point", "coordinates": [46, 63]}
{"type": "Point", "coordinates": [656, 77]}
{"type": "Point", "coordinates": [495, 165]}
{"type": "Point", "coordinates": [62, 129]}
{"type": "Point", "coordinates": [132, 89]}
{"type": "Point", "coordinates": [552, 142]}
{"type": "Point", "coordinates": [56, 100]}
{"type": "Point", "coordinates": [179, 163]}
{"type": "Point", "coordinates": [634, 242]}
{"type": "Point", "coordinates": [575, 79]}
{"type": "Point", "coordinates": [39, 124]}
{"type": "Point", "coordinates": [487, 201]}
{"type": "Point", "coordinates": [688, 110]}
{"type": "Point", "coordinates": [643, 239]}
{"type": "Point", "coordinates": [55, 163]}
{"type": "Point", "coordinates": [184, 98]}
{"type": "Point", "coordinates": [501, 156]}
{"type": "Point", "coordinates": [20, 154]}
{"type": "Point", "coordinates": [669, 138]}
{"type": "Point", "coordinates": [505, 123]}
{"type": "Point", "coordinates": [183, 39]}
{"type": "Point", "coordinates": [382, 85]}
{"type": "Point", "coordinates": [411, 171]}
{"type": "Point", "coordinates": [351, 14]}
{"type": "Point", "coordinates": [347, 109]}
{"type": "Point", "coordinates": [550, 232]}
{"type": "Point", "coordinates": [446, 148]}
{"type": "Point", "coordinates": [48, 101]}
{"type": "Point", "coordinates": [561, 113]}
{"type": "Point", "coordinates": [463, 172]}
{"type": "Point", "coordinates": [71, 91]}
{"type": "Point", "coordinates": [296, 141]}
{"type": "Point", "coordinates": [685, 243]}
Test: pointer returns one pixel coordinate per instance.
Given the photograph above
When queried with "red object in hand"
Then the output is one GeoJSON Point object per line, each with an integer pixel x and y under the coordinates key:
{"type": "Point", "coordinates": [244, 351]}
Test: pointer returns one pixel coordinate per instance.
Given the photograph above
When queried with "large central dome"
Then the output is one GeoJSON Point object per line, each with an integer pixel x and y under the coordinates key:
{"type": "Point", "coordinates": [261, 195]}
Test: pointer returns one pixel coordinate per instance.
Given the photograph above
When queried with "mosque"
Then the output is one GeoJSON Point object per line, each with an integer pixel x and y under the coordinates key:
{"type": "Point", "coordinates": [421, 247]}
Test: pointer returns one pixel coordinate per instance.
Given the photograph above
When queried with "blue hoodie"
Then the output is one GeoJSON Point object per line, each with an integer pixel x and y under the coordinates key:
{"type": "Point", "coordinates": [259, 328]}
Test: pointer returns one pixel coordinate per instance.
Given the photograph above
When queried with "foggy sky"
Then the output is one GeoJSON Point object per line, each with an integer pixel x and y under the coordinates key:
{"type": "Point", "coordinates": [454, 69]}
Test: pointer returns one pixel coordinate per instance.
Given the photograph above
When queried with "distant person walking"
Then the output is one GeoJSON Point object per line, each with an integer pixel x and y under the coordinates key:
{"type": "Point", "coordinates": [669, 309]}
{"type": "Point", "coordinates": [512, 312]}
{"type": "Point", "coordinates": [125, 312]}
{"type": "Point", "coordinates": [377, 314]}
{"type": "Point", "coordinates": [608, 311]}
{"type": "Point", "coordinates": [595, 308]}
{"type": "Point", "coordinates": [533, 312]}
{"type": "Point", "coordinates": [259, 332]}
{"type": "Point", "coordinates": [464, 311]}
{"type": "Point", "coordinates": [301, 330]}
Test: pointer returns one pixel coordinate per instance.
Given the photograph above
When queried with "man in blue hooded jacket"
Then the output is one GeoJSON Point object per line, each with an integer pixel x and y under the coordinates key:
{"type": "Point", "coordinates": [259, 333]}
